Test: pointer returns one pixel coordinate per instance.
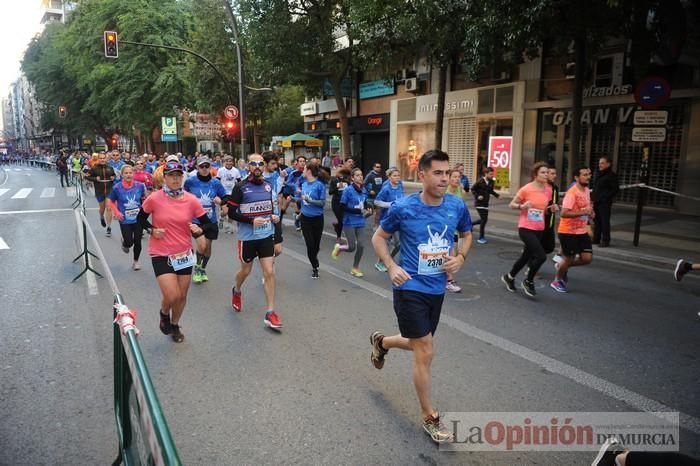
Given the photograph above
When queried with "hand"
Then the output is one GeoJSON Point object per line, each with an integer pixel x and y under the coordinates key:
{"type": "Point", "coordinates": [118, 216]}
{"type": "Point", "coordinates": [454, 263]}
{"type": "Point", "coordinates": [196, 229]}
{"type": "Point", "coordinates": [554, 208]}
{"type": "Point", "coordinates": [224, 210]}
{"type": "Point", "coordinates": [283, 174]}
{"type": "Point", "coordinates": [260, 221]}
{"type": "Point", "coordinates": [158, 232]}
{"type": "Point", "coordinates": [217, 200]}
{"type": "Point", "coordinates": [398, 275]}
{"type": "Point", "coordinates": [275, 218]}
{"type": "Point", "coordinates": [526, 205]}
{"type": "Point", "coordinates": [587, 211]}
{"type": "Point", "coordinates": [99, 179]}
{"type": "Point", "coordinates": [306, 197]}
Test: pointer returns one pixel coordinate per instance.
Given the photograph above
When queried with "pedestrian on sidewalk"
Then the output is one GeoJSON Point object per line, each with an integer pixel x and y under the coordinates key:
{"type": "Point", "coordinates": [605, 188]}
{"type": "Point", "coordinates": [62, 165]}
{"type": "Point", "coordinates": [482, 191]}
{"type": "Point", "coordinates": [532, 200]}
{"type": "Point", "coordinates": [426, 222]}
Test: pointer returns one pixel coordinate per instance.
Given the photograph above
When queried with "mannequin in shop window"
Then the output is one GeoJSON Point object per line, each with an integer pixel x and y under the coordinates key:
{"type": "Point", "coordinates": [412, 160]}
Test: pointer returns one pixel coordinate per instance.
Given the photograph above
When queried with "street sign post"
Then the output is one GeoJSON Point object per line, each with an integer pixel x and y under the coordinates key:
{"type": "Point", "coordinates": [169, 129]}
{"type": "Point", "coordinates": [653, 92]}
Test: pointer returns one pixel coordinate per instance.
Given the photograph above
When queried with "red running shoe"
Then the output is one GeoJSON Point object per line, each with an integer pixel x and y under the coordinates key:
{"type": "Point", "coordinates": [272, 320]}
{"type": "Point", "coordinates": [236, 300]}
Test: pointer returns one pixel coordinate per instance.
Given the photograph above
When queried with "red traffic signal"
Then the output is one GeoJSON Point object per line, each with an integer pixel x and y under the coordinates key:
{"type": "Point", "coordinates": [61, 111]}
{"type": "Point", "coordinates": [111, 41]}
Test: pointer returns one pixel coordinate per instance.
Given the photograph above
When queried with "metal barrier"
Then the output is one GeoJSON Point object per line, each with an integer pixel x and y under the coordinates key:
{"type": "Point", "coordinates": [144, 436]}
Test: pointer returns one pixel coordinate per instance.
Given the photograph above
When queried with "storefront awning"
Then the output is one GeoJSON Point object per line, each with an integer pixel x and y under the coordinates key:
{"type": "Point", "coordinates": [300, 140]}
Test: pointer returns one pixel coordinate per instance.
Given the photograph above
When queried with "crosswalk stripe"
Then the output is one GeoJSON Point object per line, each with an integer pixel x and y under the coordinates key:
{"type": "Point", "coordinates": [18, 169]}
{"type": "Point", "coordinates": [3, 244]}
{"type": "Point", "coordinates": [48, 192]}
{"type": "Point", "coordinates": [3, 191]}
{"type": "Point", "coordinates": [22, 193]}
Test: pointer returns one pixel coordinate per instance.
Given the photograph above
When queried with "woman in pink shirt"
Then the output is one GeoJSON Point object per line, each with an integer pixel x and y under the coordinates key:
{"type": "Point", "coordinates": [170, 247]}
{"type": "Point", "coordinates": [532, 200]}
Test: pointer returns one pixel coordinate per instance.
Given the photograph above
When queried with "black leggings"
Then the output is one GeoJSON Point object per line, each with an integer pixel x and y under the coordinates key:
{"type": "Point", "coordinates": [484, 215]}
{"type": "Point", "coordinates": [131, 236]}
{"type": "Point", "coordinates": [338, 212]}
{"type": "Point", "coordinates": [533, 253]}
{"type": "Point", "coordinates": [312, 229]}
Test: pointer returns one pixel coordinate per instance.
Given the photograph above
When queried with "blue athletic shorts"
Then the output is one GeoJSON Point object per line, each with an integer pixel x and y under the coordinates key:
{"type": "Point", "coordinates": [418, 313]}
{"type": "Point", "coordinates": [100, 198]}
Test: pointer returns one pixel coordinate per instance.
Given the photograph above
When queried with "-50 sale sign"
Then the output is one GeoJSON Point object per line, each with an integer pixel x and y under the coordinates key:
{"type": "Point", "coordinates": [499, 151]}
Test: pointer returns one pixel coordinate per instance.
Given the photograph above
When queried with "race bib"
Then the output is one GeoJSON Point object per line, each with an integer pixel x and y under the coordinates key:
{"type": "Point", "coordinates": [378, 181]}
{"type": "Point", "coordinates": [130, 214]}
{"type": "Point", "coordinates": [535, 215]}
{"type": "Point", "coordinates": [182, 260]}
{"type": "Point", "coordinates": [264, 229]}
{"type": "Point", "coordinates": [431, 259]}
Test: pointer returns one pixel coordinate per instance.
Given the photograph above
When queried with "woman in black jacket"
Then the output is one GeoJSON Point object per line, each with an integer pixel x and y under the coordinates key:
{"type": "Point", "coordinates": [338, 183]}
{"type": "Point", "coordinates": [482, 191]}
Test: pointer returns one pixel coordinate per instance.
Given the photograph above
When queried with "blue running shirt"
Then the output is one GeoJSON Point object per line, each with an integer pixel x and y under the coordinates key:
{"type": "Point", "coordinates": [128, 200]}
{"type": "Point", "coordinates": [389, 194]}
{"type": "Point", "coordinates": [354, 200]}
{"type": "Point", "coordinates": [206, 191]}
{"type": "Point", "coordinates": [426, 236]}
{"type": "Point", "coordinates": [253, 200]}
{"type": "Point", "coordinates": [317, 192]}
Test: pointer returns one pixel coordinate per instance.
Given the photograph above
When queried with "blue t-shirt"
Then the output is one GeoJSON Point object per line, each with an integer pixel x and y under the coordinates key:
{"type": "Point", "coordinates": [117, 167]}
{"type": "Point", "coordinates": [426, 236]}
{"type": "Point", "coordinates": [293, 183]}
{"type": "Point", "coordinates": [128, 200]}
{"type": "Point", "coordinates": [276, 183]}
{"type": "Point", "coordinates": [389, 194]}
{"type": "Point", "coordinates": [206, 191]}
{"type": "Point", "coordinates": [316, 190]}
{"type": "Point", "coordinates": [253, 200]}
{"type": "Point", "coordinates": [151, 166]}
{"type": "Point", "coordinates": [354, 200]}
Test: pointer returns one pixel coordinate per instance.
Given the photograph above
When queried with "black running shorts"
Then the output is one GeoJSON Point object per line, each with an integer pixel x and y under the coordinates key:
{"type": "Point", "coordinates": [575, 244]}
{"type": "Point", "coordinates": [161, 266]}
{"type": "Point", "coordinates": [418, 313]}
{"type": "Point", "coordinates": [260, 248]}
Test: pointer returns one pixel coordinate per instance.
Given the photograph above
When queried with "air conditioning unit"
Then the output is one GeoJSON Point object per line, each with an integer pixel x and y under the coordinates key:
{"type": "Point", "coordinates": [412, 84]}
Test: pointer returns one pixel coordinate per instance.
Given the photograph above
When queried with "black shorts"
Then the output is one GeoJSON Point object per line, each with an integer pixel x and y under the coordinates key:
{"type": "Point", "coordinates": [278, 232]}
{"type": "Point", "coordinates": [575, 244]}
{"type": "Point", "coordinates": [418, 313]}
{"type": "Point", "coordinates": [260, 248]}
{"type": "Point", "coordinates": [161, 266]}
{"type": "Point", "coordinates": [211, 233]}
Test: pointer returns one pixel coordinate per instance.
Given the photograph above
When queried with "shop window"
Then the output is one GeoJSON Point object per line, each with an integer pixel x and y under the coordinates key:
{"type": "Point", "coordinates": [485, 101]}
{"type": "Point", "coordinates": [504, 99]}
{"type": "Point", "coordinates": [412, 141]}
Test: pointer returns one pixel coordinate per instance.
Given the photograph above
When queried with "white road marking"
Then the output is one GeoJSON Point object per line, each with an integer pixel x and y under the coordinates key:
{"type": "Point", "coordinates": [91, 280]}
{"type": "Point", "coordinates": [39, 211]}
{"type": "Point", "coordinates": [23, 193]}
{"type": "Point", "coordinates": [17, 169]}
{"type": "Point", "coordinates": [3, 244]}
{"type": "Point", "coordinates": [3, 191]}
{"type": "Point", "coordinates": [552, 365]}
{"type": "Point", "coordinates": [48, 192]}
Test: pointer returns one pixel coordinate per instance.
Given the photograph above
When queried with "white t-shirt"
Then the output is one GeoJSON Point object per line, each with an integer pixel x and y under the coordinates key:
{"type": "Point", "coordinates": [228, 177]}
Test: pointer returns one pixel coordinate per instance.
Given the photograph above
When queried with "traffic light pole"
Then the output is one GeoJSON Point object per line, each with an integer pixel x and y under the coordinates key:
{"type": "Point", "coordinates": [241, 103]}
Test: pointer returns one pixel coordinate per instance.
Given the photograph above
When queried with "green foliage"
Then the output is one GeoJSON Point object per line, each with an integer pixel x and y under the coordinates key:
{"type": "Point", "coordinates": [284, 118]}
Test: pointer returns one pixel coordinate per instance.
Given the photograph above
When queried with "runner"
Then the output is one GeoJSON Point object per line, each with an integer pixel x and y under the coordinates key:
{"type": "Point", "coordinates": [373, 182]}
{"type": "Point", "coordinates": [103, 176]}
{"type": "Point", "coordinates": [115, 161]}
{"type": "Point", "coordinates": [391, 191]}
{"type": "Point", "coordinates": [229, 176]}
{"type": "Point", "coordinates": [337, 185]}
{"type": "Point", "coordinates": [125, 201]}
{"type": "Point", "coordinates": [272, 176]}
{"type": "Point", "coordinates": [532, 200]}
{"type": "Point", "coordinates": [292, 187]}
{"type": "Point", "coordinates": [426, 222]}
{"type": "Point", "coordinates": [313, 200]}
{"type": "Point", "coordinates": [251, 205]}
{"type": "Point", "coordinates": [209, 191]}
{"type": "Point", "coordinates": [482, 191]}
{"type": "Point", "coordinates": [142, 176]}
{"type": "Point", "coordinates": [455, 188]}
{"type": "Point", "coordinates": [548, 239]}
{"type": "Point", "coordinates": [170, 246]}
{"type": "Point", "coordinates": [354, 213]}
{"type": "Point", "coordinates": [576, 212]}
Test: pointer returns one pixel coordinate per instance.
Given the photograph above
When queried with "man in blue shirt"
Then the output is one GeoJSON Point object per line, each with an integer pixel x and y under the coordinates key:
{"type": "Point", "coordinates": [116, 163]}
{"type": "Point", "coordinates": [426, 222]}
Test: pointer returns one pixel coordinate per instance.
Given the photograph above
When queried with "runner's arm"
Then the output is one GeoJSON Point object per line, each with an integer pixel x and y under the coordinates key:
{"type": "Point", "coordinates": [142, 220]}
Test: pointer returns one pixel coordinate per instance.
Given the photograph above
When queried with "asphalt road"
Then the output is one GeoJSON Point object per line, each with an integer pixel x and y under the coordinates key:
{"type": "Point", "coordinates": [624, 339]}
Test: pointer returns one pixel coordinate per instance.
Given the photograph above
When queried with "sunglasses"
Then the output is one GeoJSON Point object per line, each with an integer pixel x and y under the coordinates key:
{"type": "Point", "coordinates": [172, 166]}
{"type": "Point", "coordinates": [204, 165]}
{"type": "Point", "coordinates": [256, 164]}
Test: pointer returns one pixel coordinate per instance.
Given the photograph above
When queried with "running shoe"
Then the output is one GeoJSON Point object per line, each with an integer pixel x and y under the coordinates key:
{"type": "Point", "coordinates": [380, 266]}
{"type": "Point", "coordinates": [453, 287]}
{"type": "Point", "coordinates": [509, 282]}
{"type": "Point", "coordinates": [436, 430]}
{"type": "Point", "coordinates": [482, 241]}
{"type": "Point", "coordinates": [335, 251]}
{"type": "Point", "coordinates": [272, 320]}
{"type": "Point", "coordinates": [136, 266]}
{"type": "Point", "coordinates": [608, 451]}
{"type": "Point", "coordinates": [297, 222]}
{"type": "Point", "coordinates": [109, 232]}
{"type": "Point", "coordinates": [102, 221]}
{"type": "Point", "coordinates": [203, 275]}
{"type": "Point", "coordinates": [196, 275]}
{"type": "Point", "coordinates": [557, 259]}
{"type": "Point", "coordinates": [559, 285]}
{"type": "Point", "coordinates": [565, 277]}
{"type": "Point", "coordinates": [682, 267]}
{"type": "Point", "coordinates": [236, 300]}
{"type": "Point", "coordinates": [378, 352]}
{"type": "Point", "coordinates": [314, 274]}
{"type": "Point", "coordinates": [165, 325]}
{"type": "Point", "coordinates": [177, 335]}
{"type": "Point", "coordinates": [529, 288]}
{"type": "Point", "coordinates": [125, 250]}
{"type": "Point", "coordinates": [356, 273]}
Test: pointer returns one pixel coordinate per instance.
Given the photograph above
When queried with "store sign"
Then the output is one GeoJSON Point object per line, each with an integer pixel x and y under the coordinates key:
{"type": "Point", "coordinates": [650, 117]}
{"type": "Point", "coordinates": [375, 121]}
{"type": "Point", "coordinates": [449, 106]}
{"type": "Point", "coordinates": [500, 151]}
{"type": "Point", "coordinates": [597, 116]}
{"type": "Point", "coordinates": [309, 108]}
{"type": "Point", "coordinates": [594, 91]}
{"type": "Point", "coordinates": [377, 88]}
{"type": "Point", "coordinates": [648, 134]}
{"type": "Point", "coordinates": [205, 126]}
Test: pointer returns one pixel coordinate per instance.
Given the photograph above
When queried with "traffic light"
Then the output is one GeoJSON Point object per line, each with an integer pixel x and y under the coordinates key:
{"type": "Point", "coordinates": [114, 141]}
{"type": "Point", "coordinates": [230, 130]}
{"type": "Point", "coordinates": [61, 111]}
{"type": "Point", "coordinates": [111, 44]}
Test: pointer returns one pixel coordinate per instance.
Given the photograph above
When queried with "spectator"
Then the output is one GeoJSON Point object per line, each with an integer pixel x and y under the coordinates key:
{"type": "Point", "coordinates": [605, 188]}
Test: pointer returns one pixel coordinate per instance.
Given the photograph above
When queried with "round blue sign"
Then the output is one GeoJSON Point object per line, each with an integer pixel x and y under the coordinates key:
{"type": "Point", "coordinates": [653, 92]}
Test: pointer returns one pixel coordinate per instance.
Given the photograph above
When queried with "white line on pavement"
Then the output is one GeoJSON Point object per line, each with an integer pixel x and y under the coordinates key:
{"type": "Point", "coordinates": [48, 192]}
{"type": "Point", "coordinates": [3, 244]}
{"type": "Point", "coordinates": [91, 280]}
{"type": "Point", "coordinates": [23, 193]}
{"type": "Point", "coordinates": [552, 365]}
{"type": "Point", "coordinates": [3, 191]}
{"type": "Point", "coordinates": [40, 211]}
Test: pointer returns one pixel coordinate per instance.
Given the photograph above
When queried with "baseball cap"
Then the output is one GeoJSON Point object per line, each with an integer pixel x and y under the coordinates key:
{"type": "Point", "coordinates": [172, 158]}
{"type": "Point", "coordinates": [203, 159]}
{"type": "Point", "coordinates": [173, 166]}
{"type": "Point", "coordinates": [228, 157]}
